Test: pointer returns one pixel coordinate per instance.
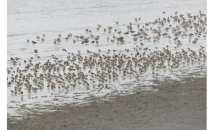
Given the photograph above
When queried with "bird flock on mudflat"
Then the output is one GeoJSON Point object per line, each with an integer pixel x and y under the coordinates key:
{"type": "Point", "coordinates": [97, 70]}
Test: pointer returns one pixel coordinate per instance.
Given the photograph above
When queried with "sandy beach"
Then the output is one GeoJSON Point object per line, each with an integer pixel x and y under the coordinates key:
{"type": "Point", "coordinates": [176, 105]}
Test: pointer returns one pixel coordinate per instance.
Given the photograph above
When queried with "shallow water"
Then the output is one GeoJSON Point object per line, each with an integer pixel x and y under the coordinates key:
{"type": "Point", "coordinates": [28, 19]}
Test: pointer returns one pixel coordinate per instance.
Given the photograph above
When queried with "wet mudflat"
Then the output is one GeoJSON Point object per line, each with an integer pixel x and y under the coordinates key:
{"type": "Point", "coordinates": [176, 105]}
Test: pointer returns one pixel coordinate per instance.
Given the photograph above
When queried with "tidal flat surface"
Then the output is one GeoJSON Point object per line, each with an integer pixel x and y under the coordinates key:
{"type": "Point", "coordinates": [66, 17]}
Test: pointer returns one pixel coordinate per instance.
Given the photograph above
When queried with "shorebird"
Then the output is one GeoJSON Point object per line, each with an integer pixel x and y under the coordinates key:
{"type": "Point", "coordinates": [58, 40]}
{"type": "Point", "coordinates": [91, 36]}
{"type": "Point", "coordinates": [42, 39]}
{"type": "Point", "coordinates": [164, 34]}
{"type": "Point", "coordinates": [34, 42]}
{"type": "Point", "coordinates": [43, 35]}
{"type": "Point", "coordinates": [112, 41]}
{"type": "Point", "coordinates": [138, 25]}
{"type": "Point", "coordinates": [129, 27]}
{"type": "Point", "coordinates": [70, 68]}
{"type": "Point", "coordinates": [16, 58]}
{"type": "Point", "coordinates": [38, 37]}
{"type": "Point", "coordinates": [86, 41]}
{"type": "Point", "coordinates": [27, 40]}
{"type": "Point", "coordinates": [194, 42]}
{"type": "Point", "coordinates": [120, 38]}
{"type": "Point", "coordinates": [135, 39]}
{"type": "Point", "coordinates": [109, 28]}
{"type": "Point", "coordinates": [14, 62]}
{"type": "Point", "coordinates": [35, 51]}
{"type": "Point", "coordinates": [64, 50]}
{"type": "Point", "coordinates": [149, 39]}
{"type": "Point", "coordinates": [81, 37]}
{"type": "Point", "coordinates": [134, 35]}
{"type": "Point", "coordinates": [9, 83]}
{"type": "Point", "coordinates": [126, 33]}
{"type": "Point", "coordinates": [116, 22]}
{"type": "Point", "coordinates": [121, 41]}
{"type": "Point", "coordinates": [93, 41]}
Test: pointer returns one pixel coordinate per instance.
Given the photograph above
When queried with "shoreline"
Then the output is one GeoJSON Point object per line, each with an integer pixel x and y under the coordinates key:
{"type": "Point", "coordinates": [174, 106]}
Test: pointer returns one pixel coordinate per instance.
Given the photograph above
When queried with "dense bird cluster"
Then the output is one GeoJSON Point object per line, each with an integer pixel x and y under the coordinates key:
{"type": "Point", "coordinates": [97, 70]}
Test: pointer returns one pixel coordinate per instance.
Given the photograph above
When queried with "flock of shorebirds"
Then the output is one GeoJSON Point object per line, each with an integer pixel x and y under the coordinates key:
{"type": "Point", "coordinates": [98, 69]}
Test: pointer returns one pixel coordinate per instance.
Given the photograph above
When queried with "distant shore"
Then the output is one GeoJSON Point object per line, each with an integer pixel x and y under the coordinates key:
{"type": "Point", "coordinates": [175, 106]}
